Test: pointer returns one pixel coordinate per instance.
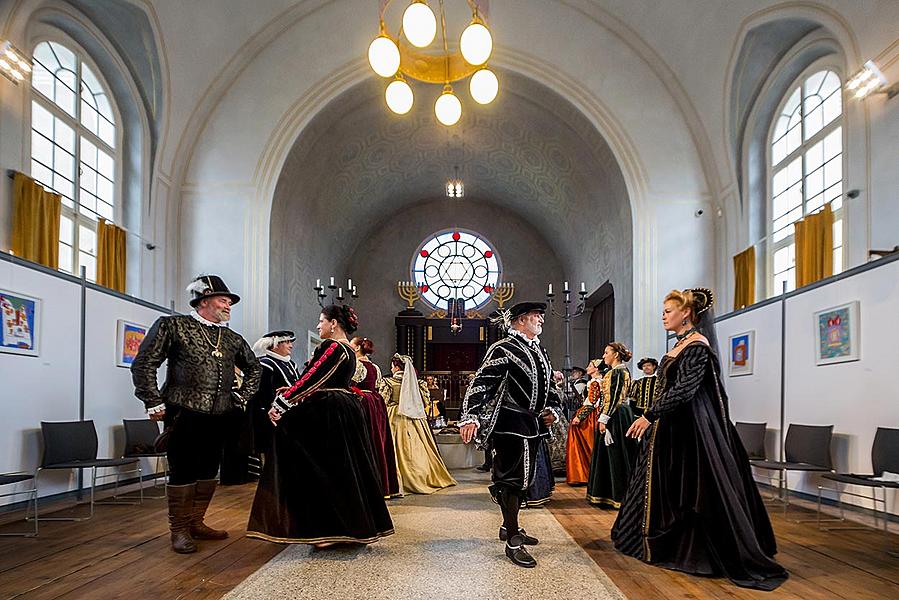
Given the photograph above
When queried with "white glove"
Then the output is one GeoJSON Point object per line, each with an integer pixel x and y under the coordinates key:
{"type": "Point", "coordinates": [608, 439]}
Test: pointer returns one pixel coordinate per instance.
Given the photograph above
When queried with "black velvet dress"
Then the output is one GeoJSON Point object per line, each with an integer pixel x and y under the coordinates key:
{"type": "Point", "coordinates": [319, 483]}
{"type": "Point", "coordinates": [692, 504]}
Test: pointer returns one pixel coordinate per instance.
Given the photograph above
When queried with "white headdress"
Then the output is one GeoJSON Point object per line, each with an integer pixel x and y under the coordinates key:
{"type": "Point", "coordinates": [411, 403]}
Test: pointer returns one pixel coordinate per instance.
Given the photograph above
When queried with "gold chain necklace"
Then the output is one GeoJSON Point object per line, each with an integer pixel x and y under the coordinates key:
{"type": "Point", "coordinates": [215, 347]}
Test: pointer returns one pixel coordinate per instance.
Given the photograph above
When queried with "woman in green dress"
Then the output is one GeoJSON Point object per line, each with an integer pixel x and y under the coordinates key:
{"type": "Point", "coordinates": [613, 452]}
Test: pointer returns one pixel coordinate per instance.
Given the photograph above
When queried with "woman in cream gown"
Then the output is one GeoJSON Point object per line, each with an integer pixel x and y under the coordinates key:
{"type": "Point", "coordinates": [419, 466]}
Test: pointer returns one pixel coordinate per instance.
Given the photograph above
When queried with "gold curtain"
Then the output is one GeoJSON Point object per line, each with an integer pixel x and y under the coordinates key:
{"type": "Point", "coordinates": [35, 229]}
{"type": "Point", "coordinates": [814, 247]}
{"type": "Point", "coordinates": [111, 256]}
{"type": "Point", "coordinates": [744, 273]}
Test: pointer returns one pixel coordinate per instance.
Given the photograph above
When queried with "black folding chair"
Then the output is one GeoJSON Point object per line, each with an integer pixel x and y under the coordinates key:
{"type": "Point", "coordinates": [806, 449]}
{"type": "Point", "coordinates": [73, 445]}
{"type": "Point", "coordinates": [139, 437]}
{"type": "Point", "coordinates": [12, 479]}
{"type": "Point", "coordinates": [884, 457]}
{"type": "Point", "coordinates": [753, 437]}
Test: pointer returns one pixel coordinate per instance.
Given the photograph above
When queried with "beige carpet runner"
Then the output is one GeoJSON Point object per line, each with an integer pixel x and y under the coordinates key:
{"type": "Point", "coordinates": [445, 547]}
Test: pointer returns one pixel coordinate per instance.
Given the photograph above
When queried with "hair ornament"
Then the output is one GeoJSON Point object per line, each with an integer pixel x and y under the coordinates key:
{"type": "Point", "coordinates": [704, 299]}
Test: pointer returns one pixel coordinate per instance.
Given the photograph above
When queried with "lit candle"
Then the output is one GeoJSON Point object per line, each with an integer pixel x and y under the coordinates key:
{"type": "Point", "coordinates": [583, 287]}
{"type": "Point", "coordinates": [549, 292]}
{"type": "Point", "coordinates": [332, 282]}
{"type": "Point", "coordinates": [318, 283]}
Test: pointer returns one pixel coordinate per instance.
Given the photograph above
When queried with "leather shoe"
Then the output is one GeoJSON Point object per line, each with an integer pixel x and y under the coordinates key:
{"type": "Point", "coordinates": [527, 540]}
{"type": "Point", "coordinates": [519, 555]}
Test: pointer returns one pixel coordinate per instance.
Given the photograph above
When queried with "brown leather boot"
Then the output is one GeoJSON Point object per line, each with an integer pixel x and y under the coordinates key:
{"type": "Point", "coordinates": [181, 506]}
{"type": "Point", "coordinates": [198, 529]}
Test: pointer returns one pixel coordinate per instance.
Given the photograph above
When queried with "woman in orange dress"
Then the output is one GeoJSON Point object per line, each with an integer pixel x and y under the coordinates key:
{"type": "Point", "coordinates": [582, 431]}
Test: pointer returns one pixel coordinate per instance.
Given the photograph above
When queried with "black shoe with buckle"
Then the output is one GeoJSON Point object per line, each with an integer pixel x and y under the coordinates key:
{"type": "Point", "coordinates": [518, 554]}
{"type": "Point", "coordinates": [528, 540]}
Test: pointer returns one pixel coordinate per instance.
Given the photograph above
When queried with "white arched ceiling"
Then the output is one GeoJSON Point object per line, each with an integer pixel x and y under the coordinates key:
{"type": "Point", "coordinates": [237, 149]}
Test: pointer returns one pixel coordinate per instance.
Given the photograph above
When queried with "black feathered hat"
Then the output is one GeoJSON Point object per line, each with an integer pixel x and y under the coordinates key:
{"type": "Point", "coordinates": [207, 286]}
{"type": "Point", "coordinates": [523, 308]}
{"type": "Point", "coordinates": [272, 339]}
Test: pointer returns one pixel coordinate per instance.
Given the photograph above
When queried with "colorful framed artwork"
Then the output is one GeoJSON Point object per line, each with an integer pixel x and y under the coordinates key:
{"type": "Point", "coordinates": [128, 339]}
{"type": "Point", "coordinates": [741, 354]}
{"type": "Point", "coordinates": [21, 324]}
{"type": "Point", "coordinates": [837, 334]}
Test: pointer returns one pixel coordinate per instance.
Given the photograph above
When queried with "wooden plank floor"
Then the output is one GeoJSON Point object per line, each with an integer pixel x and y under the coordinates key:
{"type": "Point", "coordinates": [124, 553]}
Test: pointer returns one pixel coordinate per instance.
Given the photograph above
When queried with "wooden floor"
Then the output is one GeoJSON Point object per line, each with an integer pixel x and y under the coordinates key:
{"type": "Point", "coordinates": [124, 553]}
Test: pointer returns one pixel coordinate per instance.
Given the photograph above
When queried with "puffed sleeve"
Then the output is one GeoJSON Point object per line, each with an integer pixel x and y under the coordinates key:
{"type": "Point", "coordinates": [327, 358]}
{"type": "Point", "coordinates": [691, 369]}
{"type": "Point", "coordinates": [425, 392]}
{"type": "Point", "coordinates": [593, 397]}
{"type": "Point", "coordinates": [615, 385]}
{"type": "Point", "coordinates": [153, 351]}
{"type": "Point", "coordinates": [483, 387]}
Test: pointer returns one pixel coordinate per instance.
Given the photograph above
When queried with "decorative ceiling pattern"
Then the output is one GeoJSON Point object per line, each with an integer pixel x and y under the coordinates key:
{"type": "Point", "coordinates": [530, 152]}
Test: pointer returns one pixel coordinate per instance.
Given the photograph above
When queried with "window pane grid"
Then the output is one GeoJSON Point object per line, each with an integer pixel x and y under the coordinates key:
{"type": "Point", "coordinates": [813, 175]}
{"type": "Point", "coordinates": [70, 117]}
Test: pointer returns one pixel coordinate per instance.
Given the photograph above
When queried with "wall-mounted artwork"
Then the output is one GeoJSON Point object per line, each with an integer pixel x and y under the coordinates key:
{"type": "Point", "coordinates": [741, 354]}
{"type": "Point", "coordinates": [837, 334]}
{"type": "Point", "coordinates": [20, 330]}
{"type": "Point", "coordinates": [128, 340]}
{"type": "Point", "coordinates": [312, 342]}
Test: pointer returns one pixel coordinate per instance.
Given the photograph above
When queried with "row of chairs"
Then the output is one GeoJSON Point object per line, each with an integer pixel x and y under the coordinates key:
{"type": "Point", "coordinates": [807, 448]}
{"type": "Point", "coordinates": [73, 445]}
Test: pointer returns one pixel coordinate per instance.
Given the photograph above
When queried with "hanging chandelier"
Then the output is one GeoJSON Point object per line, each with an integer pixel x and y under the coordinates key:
{"type": "Point", "coordinates": [404, 55]}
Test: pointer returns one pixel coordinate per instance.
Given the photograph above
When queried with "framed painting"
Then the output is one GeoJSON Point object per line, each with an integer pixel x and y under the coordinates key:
{"type": "Point", "coordinates": [312, 342]}
{"type": "Point", "coordinates": [128, 338]}
{"type": "Point", "coordinates": [837, 334]}
{"type": "Point", "coordinates": [741, 354]}
{"type": "Point", "coordinates": [21, 326]}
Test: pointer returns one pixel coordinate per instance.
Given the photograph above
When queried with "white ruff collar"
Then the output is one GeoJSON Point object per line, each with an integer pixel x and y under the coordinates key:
{"type": "Point", "coordinates": [197, 316]}
{"type": "Point", "coordinates": [277, 356]}
{"type": "Point", "coordinates": [533, 343]}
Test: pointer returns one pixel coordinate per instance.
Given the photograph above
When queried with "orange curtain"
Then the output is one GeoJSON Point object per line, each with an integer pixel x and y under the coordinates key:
{"type": "Point", "coordinates": [744, 273]}
{"type": "Point", "coordinates": [35, 229]}
{"type": "Point", "coordinates": [814, 247]}
{"type": "Point", "coordinates": [111, 258]}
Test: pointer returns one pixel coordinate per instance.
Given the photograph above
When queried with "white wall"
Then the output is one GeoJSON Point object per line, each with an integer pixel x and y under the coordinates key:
{"type": "Point", "coordinates": [46, 387]}
{"type": "Point", "coordinates": [855, 397]}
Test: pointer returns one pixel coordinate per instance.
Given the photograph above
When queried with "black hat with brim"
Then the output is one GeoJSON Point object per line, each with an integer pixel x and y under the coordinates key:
{"type": "Point", "coordinates": [282, 336]}
{"type": "Point", "coordinates": [209, 286]}
{"type": "Point", "coordinates": [523, 308]}
{"type": "Point", "coordinates": [643, 361]}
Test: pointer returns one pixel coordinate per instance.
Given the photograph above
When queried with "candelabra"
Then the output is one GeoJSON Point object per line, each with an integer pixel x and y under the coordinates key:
{"type": "Point", "coordinates": [334, 291]}
{"type": "Point", "coordinates": [409, 292]}
{"type": "Point", "coordinates": [567, 316]}
{"type": "Point", "coordinates": [502, 294]}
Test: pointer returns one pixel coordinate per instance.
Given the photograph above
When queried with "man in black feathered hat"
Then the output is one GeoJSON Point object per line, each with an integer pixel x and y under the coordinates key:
{"type": "Point", "coordinates": [510, 403]}
{"type": "Point", "coordinates": [643, 390]}
{"type": "Point", "coordinates": [198, 395]}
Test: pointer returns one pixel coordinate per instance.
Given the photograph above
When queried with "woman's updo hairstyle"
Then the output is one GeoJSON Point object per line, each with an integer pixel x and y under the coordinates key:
{"type": "Point", "coordinates": [623, 353]}
{"type": "Point", "coordinates": [366, 346]}
{"type": "Point", "coordinates": [344, 315]}
{"type": "Point", "coordinates": [696, 300]}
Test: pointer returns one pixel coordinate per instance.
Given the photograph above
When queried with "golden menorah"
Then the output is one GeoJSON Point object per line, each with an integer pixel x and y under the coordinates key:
{"type": "Point", "coordinates": [409, 292]}
{"type": "Point", "coordinates": [503, 293]}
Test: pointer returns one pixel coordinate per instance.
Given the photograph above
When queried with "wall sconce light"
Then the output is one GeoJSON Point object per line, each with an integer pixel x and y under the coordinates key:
{"type": "Point", "coordinates": [13, 64]}
{"type": "Point", "coordinates": [869, 80]}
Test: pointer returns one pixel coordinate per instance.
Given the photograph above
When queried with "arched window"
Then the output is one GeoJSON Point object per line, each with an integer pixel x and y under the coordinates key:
{"type": "Point", "coordinates": [456, 265]}
{"type": "Point", "coordinates": [806, 170]}
{"type": "Point", "coordinates": [74, 141]}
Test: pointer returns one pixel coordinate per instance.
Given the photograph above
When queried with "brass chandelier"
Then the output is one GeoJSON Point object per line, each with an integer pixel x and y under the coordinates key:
{"type": "Point", "coordinates": [401, 56]}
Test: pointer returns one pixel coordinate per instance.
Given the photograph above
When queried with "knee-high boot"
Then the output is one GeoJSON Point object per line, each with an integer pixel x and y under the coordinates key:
{"type": "Point", "coordinates": [198, 529]}
{"type": "Point", "coordinates": [181, 506]}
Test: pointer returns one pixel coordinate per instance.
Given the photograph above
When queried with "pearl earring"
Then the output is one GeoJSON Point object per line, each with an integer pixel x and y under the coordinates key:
{"type": "Point", "coordinates": [684, 322]}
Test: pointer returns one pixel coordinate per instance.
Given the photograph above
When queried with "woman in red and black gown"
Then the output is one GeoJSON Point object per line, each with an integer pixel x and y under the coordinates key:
{"type": "Point", "coordinates": [376, 415]}
{"type": "Point", "coordinates": [692, 504]}
{"type": "Point", "coordinates": [319, 485]}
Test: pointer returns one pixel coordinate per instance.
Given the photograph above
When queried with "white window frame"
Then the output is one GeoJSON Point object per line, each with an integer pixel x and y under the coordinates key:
{"type": "Point", "coordinates": [839, 215]}
{"type": "Point", "coordinates": [78, 219]}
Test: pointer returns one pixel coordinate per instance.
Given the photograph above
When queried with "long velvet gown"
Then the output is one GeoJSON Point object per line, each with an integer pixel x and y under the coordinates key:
{"type": "Point", "coordinates": [581, 438]}
{"type": "Point", "coordinates": [611, 465]}
{"type": "Point", "coordinates": [319, 483]}
{"type": "Point", "coordinates": [419, 466]}
{"type": "Point", "coordinates": [379, 429]}
{"type": "Point", "coordinates": [541, 488]}
{"type": "Point", "coordinates": [702, 513]}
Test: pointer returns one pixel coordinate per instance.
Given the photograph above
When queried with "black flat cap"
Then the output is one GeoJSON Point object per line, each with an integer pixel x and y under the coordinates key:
{"type": "Point", "coordinates": [523, 308]}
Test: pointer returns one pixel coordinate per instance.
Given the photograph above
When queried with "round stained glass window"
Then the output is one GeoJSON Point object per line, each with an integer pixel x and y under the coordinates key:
{"type": "Point", "coordinates": [456, 264]}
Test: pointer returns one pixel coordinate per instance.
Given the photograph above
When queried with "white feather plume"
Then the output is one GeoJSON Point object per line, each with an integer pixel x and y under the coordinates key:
{"type": "Point", "coordinates": [197, 286]}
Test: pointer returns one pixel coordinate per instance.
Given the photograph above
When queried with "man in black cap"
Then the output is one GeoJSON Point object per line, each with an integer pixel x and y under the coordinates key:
{"type": "Point", "coordinates": [643, 390]}
{"type": "Point", "coordinates": [202, 353]}
{"type": "Point", "coordinates": [510, 403]}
